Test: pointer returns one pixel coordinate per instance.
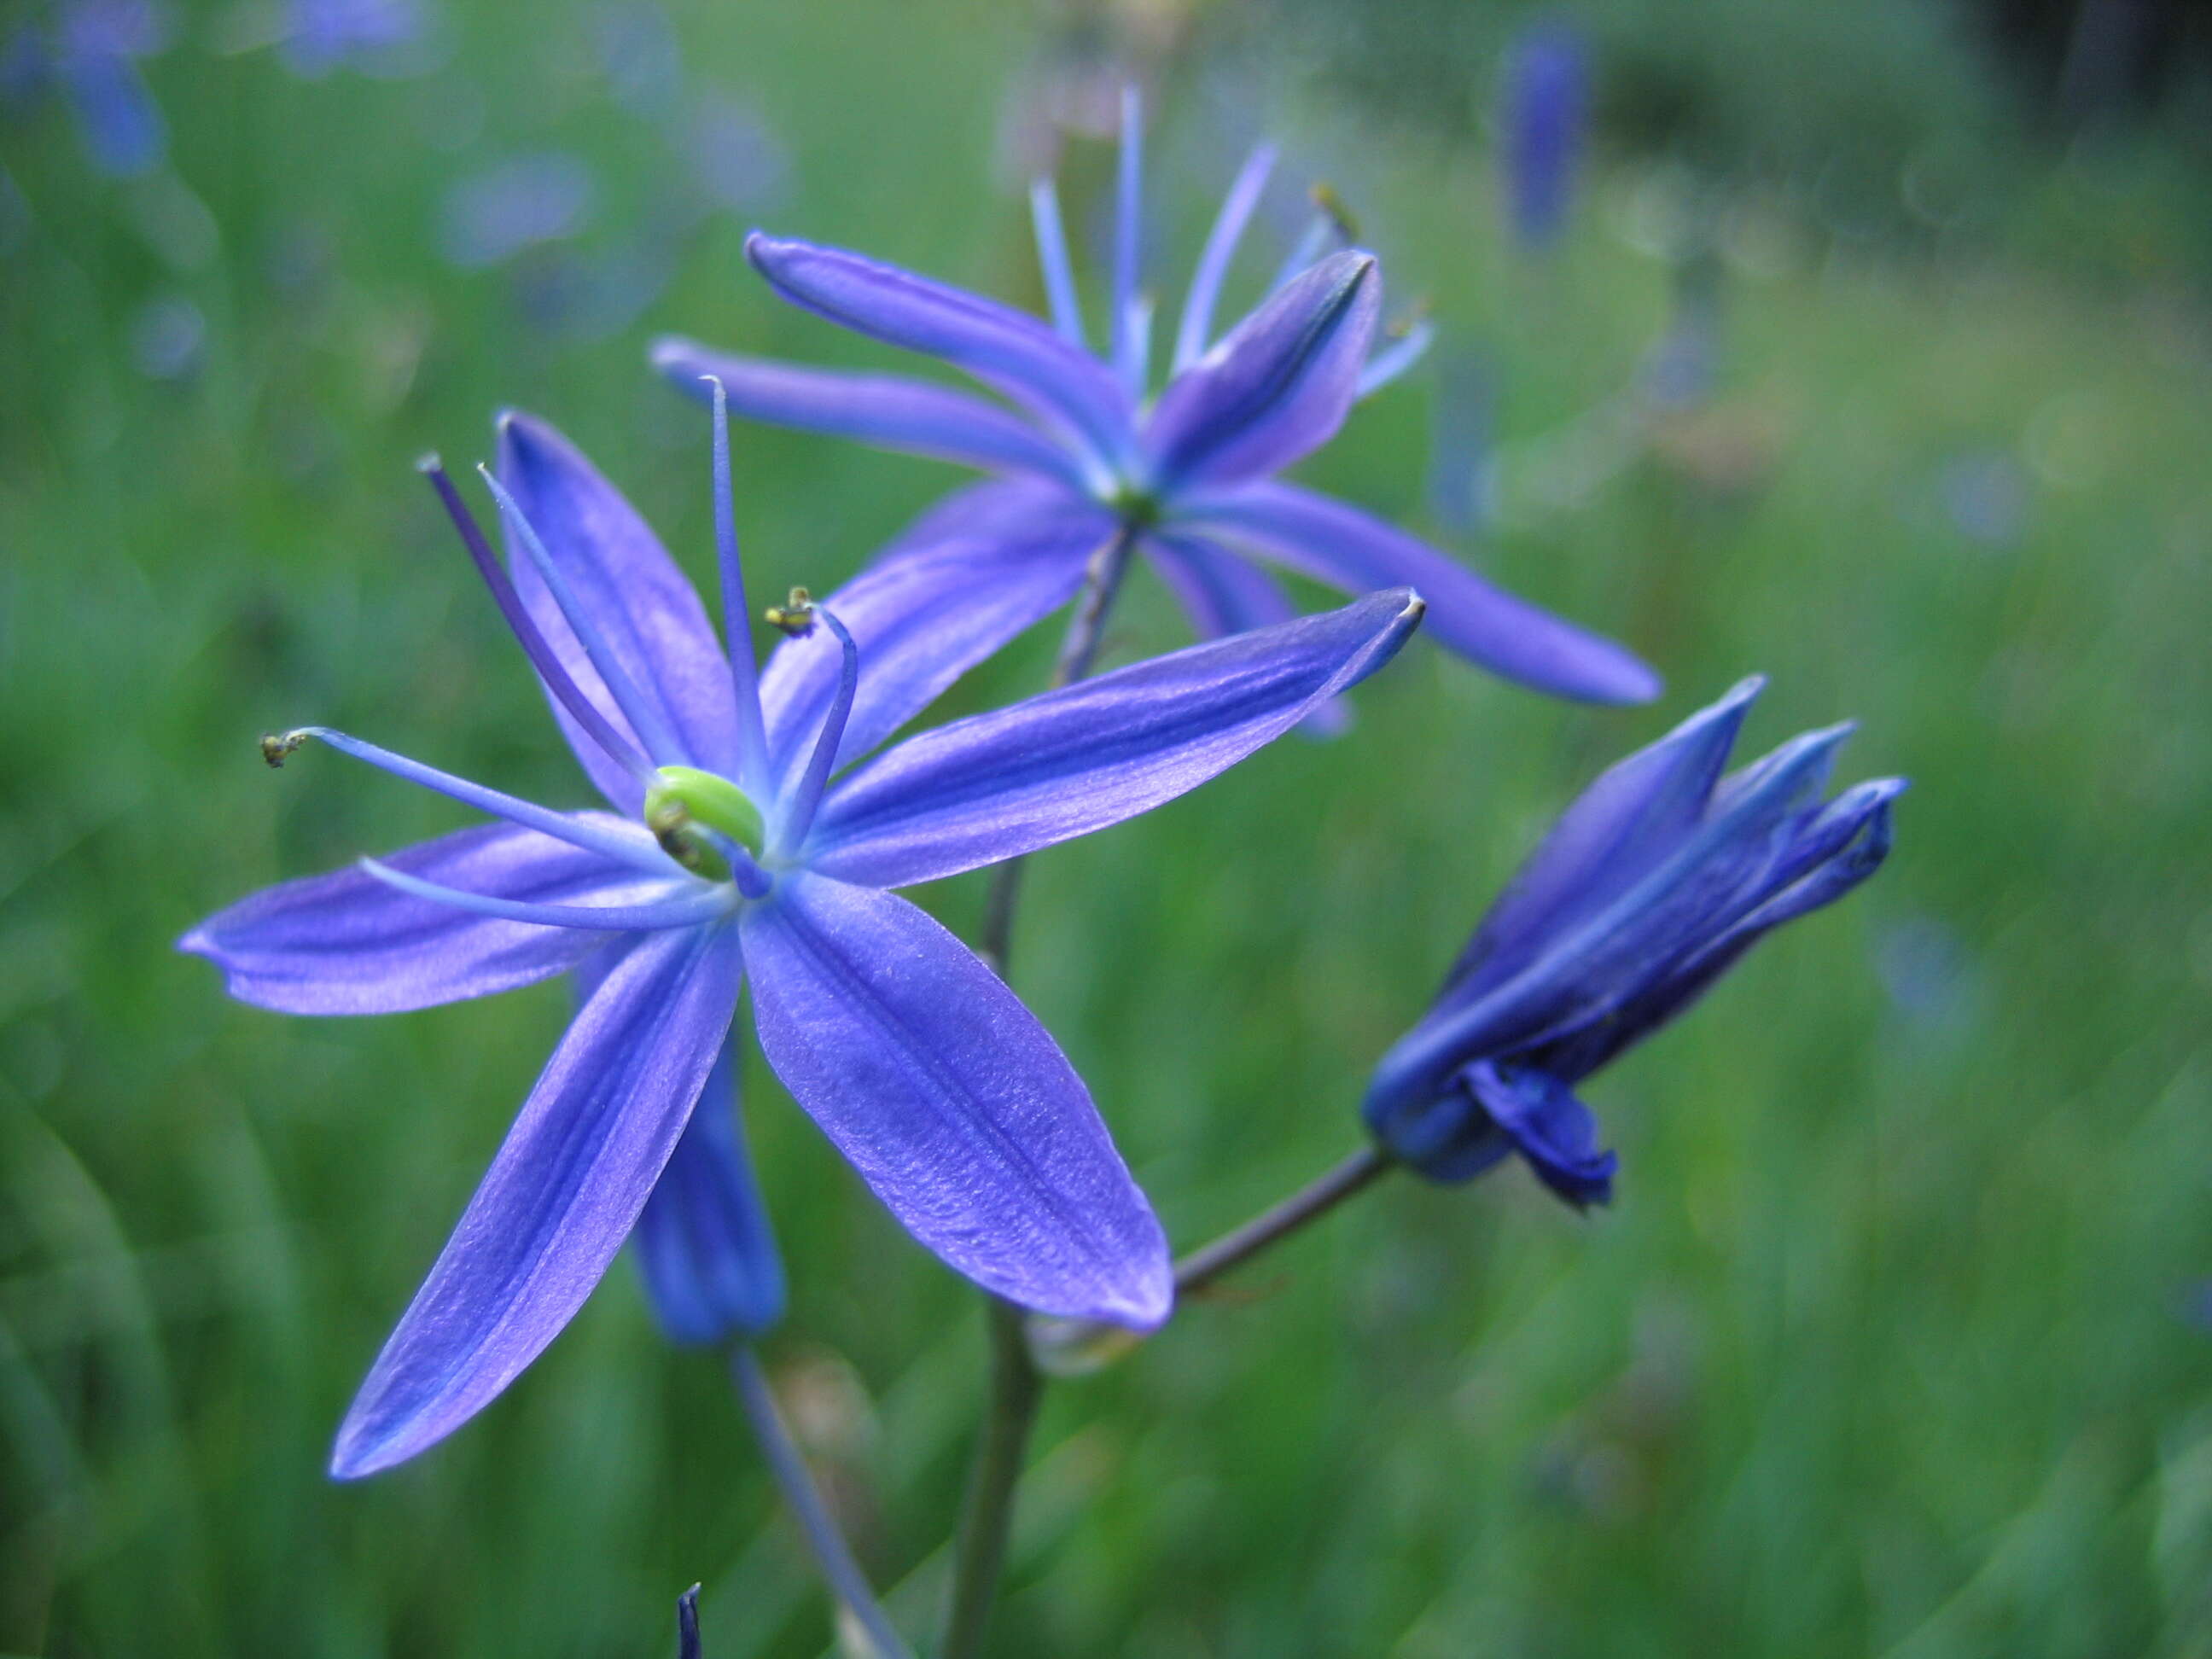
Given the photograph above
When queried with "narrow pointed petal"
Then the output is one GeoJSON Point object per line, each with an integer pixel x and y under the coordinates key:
{"type": "Point", "coordinates": [1193, 333]}
{"type": "Point", "coordinates": [887, 410]}
{"type": "Point", "coordinates": [1131, 335]}
{"type": "Point", "coordinates": [346, 942]}
{"type": "Point", "coordinates": [955, 1105]}
{"type": "Point", "coordinates": [704, 1247]}
{"type": "Point", "coordinates": [1008, 350]}
{"type": "Point", "coordinates": [1223, 594]}
{"type": "Point", "coordinates": [681, 904]}
{"type": "Point", "coordinates": [641, 603]}
{"type": "Point", "coordinates": [1338, 544]}
{"type": "Point", "coordinates": [1077, 759]}
{"type": "Point", "coordinates": [1278, 387]}
{"type": "Point", "coordinates": [560, 1198]}
{"type": "Point", "coordinates": [1636, 813]}
{"type": "Point", "coordinates": [921, 618]}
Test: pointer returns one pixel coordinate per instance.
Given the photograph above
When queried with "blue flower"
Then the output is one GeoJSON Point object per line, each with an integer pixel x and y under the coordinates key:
{"type": "Point", "coordinates": [1647, 890]}
{"type": "Point", "coordinates": [96, 48]}
{"type": "Point", "coordinates": [1188, 475]}
{"type": "Point", "coordinates": [1547, 95]}
{"type": "Point", "coordinates": [741, 847]}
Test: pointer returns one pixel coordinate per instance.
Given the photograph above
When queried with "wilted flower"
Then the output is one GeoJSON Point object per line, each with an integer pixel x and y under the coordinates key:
{"type": "Point", "coordinates": [737, 851]}
{"type": "Point", "coordinates": [1547, 94]}
{"type": "Point", "coordinates": [1187, 477]}
{"type": "Point", "coordinates": [1650, 886]}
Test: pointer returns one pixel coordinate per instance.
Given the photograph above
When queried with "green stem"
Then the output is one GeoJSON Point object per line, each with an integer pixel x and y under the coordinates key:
{"type": "Point", "coordinates": [987, 1518]}
{"type": "Point", "coordinates": [1278, 1222]}
{"type": "Point", "coordinates": [826, 1544]}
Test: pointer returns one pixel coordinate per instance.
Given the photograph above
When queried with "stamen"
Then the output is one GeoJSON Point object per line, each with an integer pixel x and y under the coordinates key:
{"type": "Point", "coordinates": [1411, 345]}
{"type": "Point", "coordinates": [557, 679]}
{"type": "Point", "coordinates": [794, 618]}
{"type": "Point", "coordinates": [737, 619]}
{"type": "Point", "coordinates": [1053, 261]}
{"type": "Point", "coordinates": [688, 909]}
{"type": "Point", "coordinates": [1236, 209]}
{"type": "Point", "coordinates": [592, 838]}
{"type": "Point", "coordinates": [798, 815]}
{"type": "Point", "coordinates": [1129, 353]}
{"type": "Point", "coordinates": [644, 718]}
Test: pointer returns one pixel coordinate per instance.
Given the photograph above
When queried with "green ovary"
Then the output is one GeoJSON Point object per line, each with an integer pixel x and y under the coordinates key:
{"type": "Point", "coordinates": [683, 799]}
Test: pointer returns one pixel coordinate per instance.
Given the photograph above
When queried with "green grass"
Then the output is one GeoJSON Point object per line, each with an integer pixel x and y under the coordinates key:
{"type": "Point", "coordinates": [1881, 1349]}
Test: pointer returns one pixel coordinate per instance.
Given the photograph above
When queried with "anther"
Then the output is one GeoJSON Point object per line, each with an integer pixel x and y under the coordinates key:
{"type": "Point", "coordinates": [1333, 206]}
{"type": "Point", "coordinates": [794, 617]}
{"type": "Point", "coordinates": [277, 747]}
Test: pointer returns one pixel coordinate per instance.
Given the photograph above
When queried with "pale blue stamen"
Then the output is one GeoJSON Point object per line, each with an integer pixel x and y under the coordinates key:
{"type": "Point", "coordinates": [737, 615]}
{"type": "Point", "coordinates": [1237, 208]}
{"type": "Point", "coordinates": [644, 718]}
{"type": "Point", "coordinates": [688, 909]}
{"type": "Point", "coordinates": [1320, 232]}
{"type": "Point", "coordinates": [1052, 258]}
{"type": "Point", "coordinates": [1128, 346]}
{"type": "Point", "coordinates": [798, 815]}
{"type": "Point", "coordinates": [635, 850]}
{"type": "Point", "coordinates": [556, 678]}
{"type": "Point", "coordinates": [1395, 359]}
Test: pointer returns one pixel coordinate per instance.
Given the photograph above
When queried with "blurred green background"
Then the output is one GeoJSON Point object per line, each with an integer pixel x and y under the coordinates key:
{"type": "Point", "coordinates": [1897, 1338]}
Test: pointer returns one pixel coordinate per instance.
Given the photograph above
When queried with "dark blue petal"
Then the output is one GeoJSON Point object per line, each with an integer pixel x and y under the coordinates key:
{"type": "Point", "coordinates": [704, 1246]}
{"type": "Point", "coordinates": [1552, 1129]}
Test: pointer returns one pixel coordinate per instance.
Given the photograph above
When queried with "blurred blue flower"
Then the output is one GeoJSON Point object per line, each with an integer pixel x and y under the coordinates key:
{"type": "Point", "coordinates": [491, 216]}
{"type": "Point", "coordinates": [733, 155]}
{"type": "Point", "coordinates": [636, 43]}
{"type": "Point", "coordinates": [734, 855]}
{"type": "Point", "coordinates": [1648, 889]}
{"type": "Point", "coordinates": [382, 38]}
{"type": "Point", "coordinates": [167, 337]}
{"type": "Point", "coordinates": [97, 44]}
{"type": "Point", "coordinates": [1547, 95]}
{"type": "Point", "coordinates": [1460, 458]}
{"type": "Point", "coordinates": [1186, 478]}
{"type": "Point", "coordinates": [1986, 497]}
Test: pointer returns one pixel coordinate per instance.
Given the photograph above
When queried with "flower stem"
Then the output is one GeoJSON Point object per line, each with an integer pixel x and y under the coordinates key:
{"type": "Point", "coordinates": [988, 1516]}
{"type": "Point", "coordinates": [831, 1553]}
{"type": "Point", "coordinates": [1272, 1225]}
{"type": "Point", "coordinates": [1079, 648]}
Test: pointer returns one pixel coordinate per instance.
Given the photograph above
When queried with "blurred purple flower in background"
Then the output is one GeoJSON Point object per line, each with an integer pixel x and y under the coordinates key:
{"type": "Point", "coordinates": [493, 214]}
{"type": "Point", "coordinates": [96, 47]}
{"type": "Point", "coordinates": [734, 155]}
{"type": "Point", "coordinates": [1648, 888]}
{"type": "Point", "coordinates": [1460, 445]}
{"type": "Point", "coordinates": [167, 337]}
{"type": "Point", "coordinates": [387, 39]}
{"type": "Point", "coordinates": [1186, 478]}
{"type": "Point", "coordinates": [1544, 92]}
{"type": "Point", "coordinates": [737, 852]}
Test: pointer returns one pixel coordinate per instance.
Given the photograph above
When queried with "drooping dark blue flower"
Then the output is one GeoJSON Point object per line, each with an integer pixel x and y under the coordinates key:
{"type": "Point", "coordinates": [1546, 92]}
{"type": "Point", "coordinates": [1083, 455]}
{"type": "Point", "coordinates": [745, 845]}
{"type": "Point", "coordinates": [1648, 889]}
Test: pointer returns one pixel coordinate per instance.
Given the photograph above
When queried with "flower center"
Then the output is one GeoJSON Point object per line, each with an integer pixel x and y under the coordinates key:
{"type": "Point", "coordinates": [1137, 508]}
{"type": "Point", "coordinates": [686, 808]}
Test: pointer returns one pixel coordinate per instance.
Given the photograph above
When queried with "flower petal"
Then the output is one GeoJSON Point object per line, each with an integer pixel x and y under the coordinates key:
{"type": "Point", "coordinates": [560, 1197]}
{"type": "Point", "coordinates": [1008, 350]}
{"type": "Point", "coordinates": [1338, 544]}
{"type": "Point", "coordinates": [347, 943]}
{"type": "Point", "coordinates": [704, 1246]}
{"type": "Point", "coordinates": [1278, 387]}
{"type": "Point", "coordinates": [922, 617]}
{"type": "Point", "coordinates": [887, 410]}
{"type": "Point", "coordinates": [1224, 592]}
{"type": "Point", "coordinates": [955, 1105]}
{"type": "Point", "coordinates": [1636, 813]}
{"type": "Point", "coordinates": [1550, 1127]}
{"type": "Point", "coordinates": [1077, 759]}
{"type": "Point", "coordinates": [647, 610]}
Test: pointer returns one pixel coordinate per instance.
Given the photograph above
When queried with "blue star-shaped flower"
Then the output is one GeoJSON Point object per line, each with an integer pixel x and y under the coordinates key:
{"type": "Point", "coordinates": [742, 847]}
{"type": "Point", "coordinates": [1188, 476]}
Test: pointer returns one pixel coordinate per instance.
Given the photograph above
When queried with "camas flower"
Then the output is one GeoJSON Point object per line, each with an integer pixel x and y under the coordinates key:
{"type": "Point", "coordinates": [738, 849]}
{"type": "Point", "coordinates": [1188, 478]}
{"type": "Point", "coordinates": [1546, 95]}
{"type": "Point", "coordinates": [1647, 890]}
